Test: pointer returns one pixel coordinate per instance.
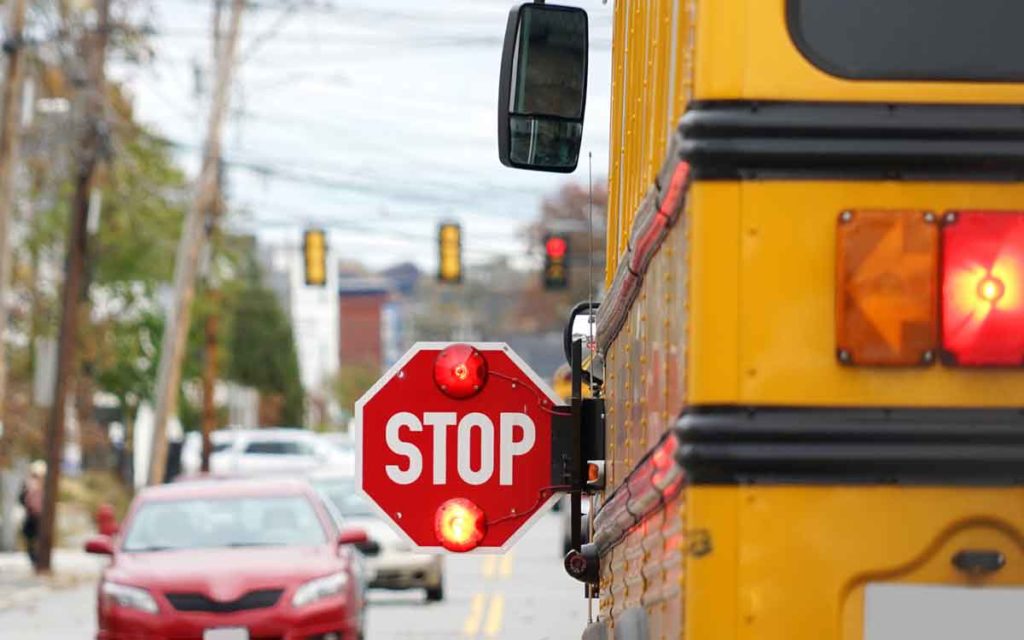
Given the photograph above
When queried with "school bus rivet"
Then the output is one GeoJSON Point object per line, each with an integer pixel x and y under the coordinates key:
{"type": "Point", "coordinates": [846, 216]}
{"type": "Point", "coordinates": [929, 217]}
{"type": "Point", "coordinates": [928, 357]}
{"type": "Point", "coordinates": [950, 217]}
{"type": "Point", "coordinates": [844, 356]}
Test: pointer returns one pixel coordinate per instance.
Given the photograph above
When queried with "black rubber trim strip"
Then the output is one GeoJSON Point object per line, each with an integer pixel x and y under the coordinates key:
{"type": "Point", "coordinates": [786, 446]}
{"type": "Point", "coordinates": [730, 140]}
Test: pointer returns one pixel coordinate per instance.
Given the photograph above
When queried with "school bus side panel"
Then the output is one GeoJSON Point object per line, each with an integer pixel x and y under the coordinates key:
{"type": "Point", "coordinates": [763, 297]}
{"type": "Point", "coordinates": [644, 394]}
{"type": "Point", "coordinates": [652, 81]}
{"type": "Point", "coordinates": [746, 52]}
{"type": "Point", "coordinates": [793, 562]}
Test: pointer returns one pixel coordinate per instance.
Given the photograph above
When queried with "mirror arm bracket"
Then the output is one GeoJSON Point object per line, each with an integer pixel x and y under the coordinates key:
{"type": "Point", "coordinates": [577, 439]}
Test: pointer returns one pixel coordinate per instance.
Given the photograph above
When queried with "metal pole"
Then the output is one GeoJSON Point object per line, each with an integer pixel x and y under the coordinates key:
{"type": "Point", "coordinates": [186, 264]}
{"type": "Point", "coordinates": [88, 154]}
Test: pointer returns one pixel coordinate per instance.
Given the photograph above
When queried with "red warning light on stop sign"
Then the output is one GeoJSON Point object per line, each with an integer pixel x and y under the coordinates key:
{"type": "Point", "coordinates": [421, 450]}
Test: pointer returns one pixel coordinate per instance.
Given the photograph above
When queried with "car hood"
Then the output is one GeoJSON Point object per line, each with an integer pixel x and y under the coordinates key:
{"type": "Point", "coordinates": [224, 574]}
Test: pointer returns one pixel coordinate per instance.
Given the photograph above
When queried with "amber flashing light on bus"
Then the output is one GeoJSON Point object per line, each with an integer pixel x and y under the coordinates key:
{"type": "Point", "coordinates": [887, 290]}
{"type": "Point", "coordinates": [459, 525]}
{"type": "Point", "coordinates": [983, 288]}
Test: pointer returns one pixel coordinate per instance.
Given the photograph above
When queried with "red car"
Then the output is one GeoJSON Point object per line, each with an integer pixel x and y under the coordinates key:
{"type": "Point", "coordinates": [230, 560]}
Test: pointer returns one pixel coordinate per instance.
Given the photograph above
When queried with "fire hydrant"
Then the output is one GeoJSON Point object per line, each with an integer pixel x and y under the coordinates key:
{"type": "Point", "coordinates": [106, 521]}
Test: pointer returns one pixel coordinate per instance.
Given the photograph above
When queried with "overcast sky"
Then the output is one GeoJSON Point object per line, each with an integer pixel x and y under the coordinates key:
{"type": "Point", "coordinates": [373, 118]}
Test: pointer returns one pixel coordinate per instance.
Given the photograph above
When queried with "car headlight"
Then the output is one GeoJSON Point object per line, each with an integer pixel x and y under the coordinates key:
{"type": "Point", "coordinates": [129, 597]}
{"type": "Point", "coordinates": [316, 590]}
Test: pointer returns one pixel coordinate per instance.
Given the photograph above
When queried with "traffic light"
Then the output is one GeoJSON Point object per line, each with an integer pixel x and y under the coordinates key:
{"type": "Point", "coordinates": [314, 250]}
{"type": "Point", "coordinates": [556, 255]}
{"type": "Point", "coordinates": [449, 260]}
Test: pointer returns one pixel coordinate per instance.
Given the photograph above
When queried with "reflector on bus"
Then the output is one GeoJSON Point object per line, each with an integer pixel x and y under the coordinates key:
{"type": "Point", "coordinates": [886, 289]}
{"type": "Point", "coordinates": [983, 288]}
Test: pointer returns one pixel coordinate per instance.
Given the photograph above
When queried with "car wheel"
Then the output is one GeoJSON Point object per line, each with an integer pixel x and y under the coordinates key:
{"type": "Point", "coordinates": [435, 594]}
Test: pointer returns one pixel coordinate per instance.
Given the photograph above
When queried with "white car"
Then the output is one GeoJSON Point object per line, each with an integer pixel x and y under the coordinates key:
{"type": "Point", "coordinates": [392, 563]}
{"type": "Point", "coordinates": [253, 452]}
{"type": "Point", "coordinates": [343, 442]}
{"type": "Point", "coordinates": [192, 449]}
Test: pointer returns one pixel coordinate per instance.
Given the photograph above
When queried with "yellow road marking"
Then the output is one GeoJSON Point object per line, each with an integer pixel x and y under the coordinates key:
{"type": "Point", "coordinates": [490, 564]}
{"type": "Point", "coordinates": [476, 613]}
{"type": "Point", "coordinates": [506, 565]}
{"type": "Point", "coordinates": [495, 615]}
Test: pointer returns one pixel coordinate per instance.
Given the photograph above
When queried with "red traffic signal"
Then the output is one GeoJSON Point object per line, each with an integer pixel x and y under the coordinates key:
{"type": "Point", "coordinates": [556, 246]}
{"type": "Point", "coordinates": [556, 254]}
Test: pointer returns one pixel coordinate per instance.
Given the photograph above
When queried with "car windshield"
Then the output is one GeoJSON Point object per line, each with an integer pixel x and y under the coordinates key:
{"type": "Point", "coordinates": [224, 522]}
{"type": "Point", "coordinates": [343, 495]}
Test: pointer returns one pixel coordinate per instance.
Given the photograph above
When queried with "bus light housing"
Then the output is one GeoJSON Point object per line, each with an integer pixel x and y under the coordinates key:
{"type": "Point", "coordinates": [459, 525]}
{"type": "Point", "coordinates": [887, 290]}
{"type": "Point", "coordinates": [983, 288]}
{"type": "Point", "coordinates": [460, 371]}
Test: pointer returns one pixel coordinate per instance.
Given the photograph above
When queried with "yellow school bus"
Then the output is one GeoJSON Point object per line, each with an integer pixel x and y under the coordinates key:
{"type": "Point", "coordinates": [813, 324]}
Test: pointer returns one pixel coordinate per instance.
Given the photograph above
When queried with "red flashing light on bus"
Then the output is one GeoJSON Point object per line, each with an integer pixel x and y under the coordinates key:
{"type": "Point", "coordinates": [983, 288]}
{"type": "Point", "coordinates": [460, 525]}
{"type": "Point", "coordinates": [460, 371]}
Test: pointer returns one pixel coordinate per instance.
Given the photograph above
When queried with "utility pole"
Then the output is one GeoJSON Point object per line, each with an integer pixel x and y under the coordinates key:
{"type": "Point", "coordinates": [193, 238]}
{"type": "Point", "coordinates": [209, 419]}
{"type": "Point", "coordinates": [210, 376]}
{"type": "Point", "coordinates": [9, 138]}
{"type": "Point", "coordinates": [87, 153]}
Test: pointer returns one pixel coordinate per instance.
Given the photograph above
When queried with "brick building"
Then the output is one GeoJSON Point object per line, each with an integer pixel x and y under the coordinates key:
{"type": "Point", "coordinates": [363, 315]}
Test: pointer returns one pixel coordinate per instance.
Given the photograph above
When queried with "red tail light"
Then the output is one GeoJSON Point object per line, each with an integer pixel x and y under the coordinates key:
{"type": "Point", "coordinates": [983, 288]}
{"type": "Point", "coordinates": [460, 371]}
{"type": "Point", "coordinates": [459, 525]}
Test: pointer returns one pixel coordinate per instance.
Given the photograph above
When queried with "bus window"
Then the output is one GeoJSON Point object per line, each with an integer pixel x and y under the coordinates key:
{"type": "Point", "coordinates": [911, 39]}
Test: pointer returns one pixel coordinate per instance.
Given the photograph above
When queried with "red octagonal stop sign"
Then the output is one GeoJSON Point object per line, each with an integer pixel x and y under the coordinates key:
{"type": "Point", "coordinates": [458, 446]}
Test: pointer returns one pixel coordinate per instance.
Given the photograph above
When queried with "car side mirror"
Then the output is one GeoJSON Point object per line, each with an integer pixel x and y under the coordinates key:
{"type": "Point", "coordinates": [353, 536]}
{"type": "Point", "coordinates": [359, 539]}
{"type": "Point", "coordinates": [100, 545]}
{"type": "Point", "coordinates": [543, 88]}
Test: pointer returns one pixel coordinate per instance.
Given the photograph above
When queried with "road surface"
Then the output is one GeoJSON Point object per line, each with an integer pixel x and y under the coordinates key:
{"type": "Point", "coordinates": [523, 595]}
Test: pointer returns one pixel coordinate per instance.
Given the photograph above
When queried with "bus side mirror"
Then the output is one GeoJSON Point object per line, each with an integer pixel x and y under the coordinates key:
{"type": "Point", "coordinates": [543, 88]}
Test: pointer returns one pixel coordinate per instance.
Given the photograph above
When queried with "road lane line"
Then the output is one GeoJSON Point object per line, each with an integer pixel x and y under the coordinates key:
{"type": "Point", "coordinates": [506, 565]}
{"type": "Point", "coordinates": [494, 615]}
{"type": "Point", "coordinates": [476, 613]}
{"type": "Point", "coordinates": [489, 566]}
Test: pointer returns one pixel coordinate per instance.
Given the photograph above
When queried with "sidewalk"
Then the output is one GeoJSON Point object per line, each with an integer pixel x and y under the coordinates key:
{"type": "Point", "coordinates": [20, 586]}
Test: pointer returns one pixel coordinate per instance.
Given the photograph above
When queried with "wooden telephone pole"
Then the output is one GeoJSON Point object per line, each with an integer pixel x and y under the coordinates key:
{"type": "Point", "coordinates": [209, 377]}
{"type": "Point", "coordinates": [9, 137]}
{"type": "Point", "coordinates": [193, 238]}
{"type": "Point", "coordinates": [87, 154]}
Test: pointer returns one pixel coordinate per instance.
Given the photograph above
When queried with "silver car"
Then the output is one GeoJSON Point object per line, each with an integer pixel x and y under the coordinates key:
{"type": "Point", "coordinates": [395, 565]}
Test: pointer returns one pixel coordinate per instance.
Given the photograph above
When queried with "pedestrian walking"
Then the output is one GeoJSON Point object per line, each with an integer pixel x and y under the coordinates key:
{"type": "Point", "coordinates": [32, 499]}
